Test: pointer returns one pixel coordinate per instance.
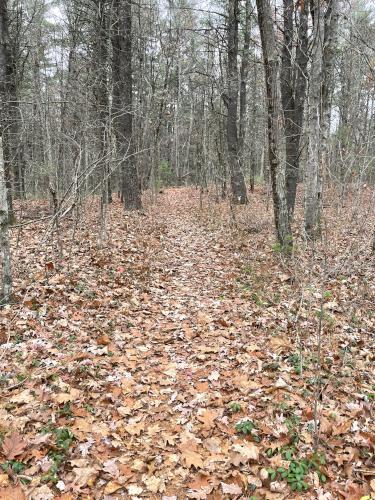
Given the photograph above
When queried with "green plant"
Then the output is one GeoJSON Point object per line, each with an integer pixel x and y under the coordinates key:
{"type": "Point", "coordinates": [292, 421]}
{"type": "Point", "coordinates": [297, 361]}
{"type": "Point", "coordinates": [21, 377]}
{"type": "Point", "coordinates": [258, 301]}
{"type": "Point", "coordinates": [277, 248]}
{"type": "Point", "coordinates": [16, 466]}
{"type": "Point", "coordinates": [245, 427]}
{"type": "Point", "coordinates": [65, 411]}
{"type": "Point", "coordinates": [166, 176]}
{"type": "Point", "coordinates": [285, 249]}
{"type": "Point", "coordinates": [327, 318]}
{"type": "Point", "coordinates": [89, 408]}
{"type": "Point", "coordinates": [288, 452]}
{"type": "Point", "coordinates": [64, 439]}
{"type": "Point", "coordinates": [234, 407]}
{"type": "Point", "coordinates": [248, 269]}
{"type": "Point", "coordinates": [297, 470]}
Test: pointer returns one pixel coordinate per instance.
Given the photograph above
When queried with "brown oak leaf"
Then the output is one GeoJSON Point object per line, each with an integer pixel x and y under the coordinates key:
{"type": "Point", "coordinates": [12, 493]}
{"type": "Point", "coordinates": [13, 446]}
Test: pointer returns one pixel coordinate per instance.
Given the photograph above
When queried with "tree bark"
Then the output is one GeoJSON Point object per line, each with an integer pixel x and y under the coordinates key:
{"type": "Point", "coordinates": [293, 91]}
{"type": "Point", "coordinates": [244, 82]}
{"type": "Point", "coordinates": [4, 235]}
{"type": "Point", "coordinates": [276, 139]}
{"type": "Point", "coordinates": [238, 185]}
{"type": "Point", "coordinates": [313, 175]}
{"type": "Point", "coordinates": [5, 99]}
{"type": "Point", "coordinates": [123, 103]}
{"type": "Point", "coordinates": [319, 103]}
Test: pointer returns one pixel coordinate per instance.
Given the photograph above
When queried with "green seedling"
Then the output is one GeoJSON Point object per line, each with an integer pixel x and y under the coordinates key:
{"type": "Point", "coordinates": [234, 407]}
{"type": "Point", "coordinates": [245, 427]}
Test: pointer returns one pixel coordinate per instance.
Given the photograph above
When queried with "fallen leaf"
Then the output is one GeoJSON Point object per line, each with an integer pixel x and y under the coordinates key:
{"type": "Point", "coordinates": [42, 493]}
{"type": "Point", "coordinates": [85, 476]}
{"type": "Point", "coordinates": [203, 319]}
{"type": "Point", "coordinates": [207, 417]}
{"type": "Point", "coordinates": [280, 383]}
{"type": "Point", "coordinates": [111, 487]}
{"type": "Point", "coordinates": [342, 428]}
{"type": "Point", "coordinates": [245, 452]}
{"type": "Point", "coordinates": [103, 340]}
{"type": "Point", "coordinates": [13, 446]}
{"type": "Point", "coordinates": [23, 397]}
{"type": "Point", "coordinates": [12, 493]}
{"type": "Point", "coordinates": [154, 484]}
{"type": "Point", "coordinates": [133, 489]}
{"type": "Point", "coordinates": [231, 489]}
{"type": "Point", "coordinates": [192, 459]}
{"type": "Point", "coordinates": [135, 429]}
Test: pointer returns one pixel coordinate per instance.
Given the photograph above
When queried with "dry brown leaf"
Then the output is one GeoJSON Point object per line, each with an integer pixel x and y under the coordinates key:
{"type": "Point", "coordinates": [203, 319]}
{"type": "Point", "coordinates": [133, 489]}
{"type": "Point", "coordinates": [42, 493]}
{"type": "Point", "coordinates": [154, 484]}
{"type": "Point", "coordinates": [279, 344]}
{"type": "Point", "coordinates": [13, 446]}
{"type": "Point", "coordinates": [103, 340]}
{"type": "Point", "coordinates": [12, 493]}
{"type": "Point", "coordinates": [83, 424]}
{"type": "Point", "coordinates": [245, 452]}
{"type": "Point", "coordinates": [85, 476]}
{"type": "Point", "coordinates": [135, 429]}
{"type": "Point", "coordinates": [231, 489]}
{"type": "Point", "coordinates": [192, 459]}
{"type": "Point", "coordinates": [325, 426]}
{"type": "Point", "coordinates": [207, 417]}
{"type": "Point", "coordinates": [23, 397]}
{"type": "Point", "coordinates": [342, 428]}
{"type": "Point", "coordinates": [111, 487]}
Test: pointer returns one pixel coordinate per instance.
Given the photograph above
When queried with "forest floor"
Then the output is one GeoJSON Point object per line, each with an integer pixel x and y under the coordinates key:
{"type": "Point", "coordinates": [183, 359]}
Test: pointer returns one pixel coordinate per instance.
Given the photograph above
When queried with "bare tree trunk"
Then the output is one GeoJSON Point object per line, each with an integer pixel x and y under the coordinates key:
{"type": "Point", "coordinates": [5, 85]}
{"type": "Point", "coordinates": [320, 89]}
{"type": "Point", "coordinates": [313, 174]}
{"type": "Point", "coordinates": [123, 103]}
{"type": "Point", "coordinates": [331, 18]}
{"type": "Point", "coordinates": [238, 185]}
{"type": "Point", "coordinates": [293, 91]}
{"type": "Point", "coordinates": [4, 236]}
{"type": "Point", "coordinates": [276, 140]}
{"type": "Point", "coordinates": [243, 83]}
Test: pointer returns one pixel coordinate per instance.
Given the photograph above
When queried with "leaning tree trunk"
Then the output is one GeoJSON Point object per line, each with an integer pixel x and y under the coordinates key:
{"type": "Point", "coordinates": [123, 103]}
{"type": "Point", "coordinates": [276, 139]}
{"type": "Point", "coordinates": [238, 185]}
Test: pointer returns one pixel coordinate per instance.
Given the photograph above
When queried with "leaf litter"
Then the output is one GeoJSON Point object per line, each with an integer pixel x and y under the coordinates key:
{"type": "Point", "coordinates": [179, 361]}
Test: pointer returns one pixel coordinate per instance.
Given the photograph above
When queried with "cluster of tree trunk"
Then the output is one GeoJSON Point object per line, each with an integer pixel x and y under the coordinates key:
{"type": "Point", "coordinates": [291, 89]}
